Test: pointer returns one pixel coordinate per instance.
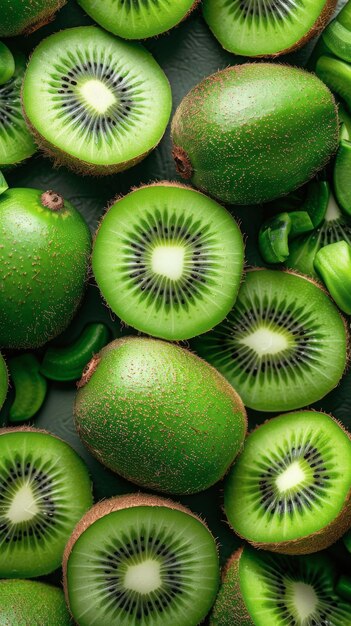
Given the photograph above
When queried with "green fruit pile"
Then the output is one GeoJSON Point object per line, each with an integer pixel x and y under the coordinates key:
{"type": "Point", "coordinates": [175, 286]}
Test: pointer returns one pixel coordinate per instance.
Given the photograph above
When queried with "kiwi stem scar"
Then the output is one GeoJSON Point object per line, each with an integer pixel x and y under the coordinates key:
{"type": "Point", "coordinates": [182, 161]}
{"type": "Point", "coordinates": [52, 200]}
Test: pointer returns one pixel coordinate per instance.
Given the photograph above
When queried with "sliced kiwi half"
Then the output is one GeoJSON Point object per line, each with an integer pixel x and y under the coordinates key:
{"type": "Point", "coordinates": [16, 142]}
{"type": "Point", "coordinates": [289, 490]}
{"type": "Point", "coordinates": [276, 346]}
{"type": "Point", "coordinates": [169, 261]}
{"type": "Point", "coordinates": [266, 27]}
{"type": "Point", "coordinates": [138, 19]}
{"type": "Point", "coordinates": [140, 560]}
{"type": "Point", "coordinates": [106, 102]}
{"type": "Point", "coordinates": [32, 603]}
{"type": "Point", "coordinates": [262, 589]}
{"type": "Point", "coordinates": [44, 491]}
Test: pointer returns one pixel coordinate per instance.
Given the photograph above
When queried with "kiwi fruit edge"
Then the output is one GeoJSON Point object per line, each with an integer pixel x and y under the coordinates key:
{"type": "Point", "coordinates": [29, 602]}
{"type": "Point", "coordinates": [196, 454]}
{"type": "Point", "coordinates": [23, 17]}
{"type": "Point", "coordinates": [230, 595]}
{"type": "Point", "coordinates": [319, 540]}
{"type": "Point", "coordinates": [4, 380]}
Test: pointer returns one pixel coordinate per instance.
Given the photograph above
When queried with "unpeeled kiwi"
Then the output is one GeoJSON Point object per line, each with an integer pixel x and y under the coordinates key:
{"type": "Point", "coordinates": [265, 27]}
{"type": "Point", "coordinates": [140, 560]}
{"type": "Point", "coordinates": [159, 416]}
{"type": "Point", "coordinates": [290, 490]}
{"type": "Point", "coordinates": [262, 589]}
{"type": "Point", "coordinates": [45, 489]}
{"type": "Point", "coordinates": [32, 603]}
{"type": "Point", "coordinates": [254, 132]}
{"type": "Point", "coordinates": [17, 16]}
{"type": "Point", "coordinates": [283, 345]}
{"type": "Point", "coordinates": [44, 253]}
{"type": "Point", "coordinates": [138, 19]}
{"type": "Point", "coordinates": [168, 260]}
{"type": "Point", "coordinates": [104, 103]}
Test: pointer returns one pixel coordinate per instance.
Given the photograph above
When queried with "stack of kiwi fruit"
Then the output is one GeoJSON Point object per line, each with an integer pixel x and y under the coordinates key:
{"type": "Point", "coordinates": [175, 264]}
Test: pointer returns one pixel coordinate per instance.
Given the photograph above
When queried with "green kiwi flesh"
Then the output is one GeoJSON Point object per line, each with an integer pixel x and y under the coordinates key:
{"type": "Point", "coordinates": [7, 64]}
{"type": "Point", "coordinates": [44, 490]}
{"type": "Point", "coordinates": [265, 27]}
{"type": "Point", "coordinates": [275, 347]}
{"type": "Point", "coordinates": [159, 416]}
{"type": "Point", "coordinates": [168, 261]}
{"type": "Point", "coordinates": [261, 589]}
{"type": "Point", "coordinates": [289, 490]}
{"type": "Point", "coordinates": [150, 562]}
{"type": "Point", "coordinates": [4, 381]}
{"type": "Point", "coordinates": [272, 124]}
{"type": "Point", "coordinates": [16, 142]}
{"type": "Point", "coordinates": [107, 102]}
{"type": "Point", "coordinates": [44, 241]}
{"type": "Point", "coordinates": [32, 603]}
{"type": "Point", "coordinates": [138, 19]}
{"type": "Point", "coordinates": [18, 17]}
{"type": "Point", "coordinates": [29, 385]}
{"type": "Point", "coordinates": [333, 264]}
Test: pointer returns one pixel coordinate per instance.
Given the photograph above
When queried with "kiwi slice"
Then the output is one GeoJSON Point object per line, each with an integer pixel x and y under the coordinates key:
{"type": "Point", "coordinates": [262, 589]}
{"type": "Point", "coordinates": [44, 490]}
{"type": "Point", "coordinates": [16, 142]}
{"type": "Point", "coordinates": [7, 64]}
{"type": "Point", "coordinates": [266, 27]}
{"type": "Point", "coordinates": [168, 261]}
{"type": "Point", "coordinates": [17, 16]}
{"type": "Point", "coordinates": [107, 102]}
{"type": "Point", "coordinates": [289, 490]}
{"type": "Point", "coordinates": [140, 560]}
{"type": "Point", "coordinates": [333, 264]}
{"type": "Point", "coordinates": [276, 347]}
{"type": "Point", "coordinates": [159, 416]}
{"type": "Point", "coordinates": [138, 19]}
{"type": "Point", "coordinates": [335, 227]}
{"type": "Point", "coordinates": [32, 603]}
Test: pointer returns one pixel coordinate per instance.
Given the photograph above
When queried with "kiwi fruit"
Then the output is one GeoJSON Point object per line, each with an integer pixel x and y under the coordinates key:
{"type": "Point", "coordinates": [264, 27]}
{"type": "Point", "coordinates": [4, 381]}
{"type": "Point", "coordinates": [44, 491]}
{"type": "Point", "coordinates": [272, 125]}
{"type": "Point", "coordinates": [16, 142]}
{"type": "Point", "coordinates": [140, 560]}
{"type": "Point", "coordinates": [19, 16]}
{"type": "Point", "coordinates": [138, 19]}
{"type": "Point", "coordinates": [44, 254]}
{"type": "Point", "coordinates": [276, 346]}
{"type": "Point", "coordinates": [32, 603]}
{"type": "Point", "coordinates": [261, 589]}
{"type": "Point", "coordinates": [159, 416]}
{"type": "Point", "coordinates": [335, 227]}
{"type": "Point", "coordinates": [107, 102]}
{"type": "Point", "coordinates": [7, 64]}
{"type": "Point", "coordinates": [333, 264]}
{"type": "Point", "coordinates": [168, 260]}
{"type": "Point", "coordinates": [289, 490]}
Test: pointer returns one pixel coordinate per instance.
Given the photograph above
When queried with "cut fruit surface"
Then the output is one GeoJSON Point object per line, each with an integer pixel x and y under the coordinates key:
{"type": "Point", "coordinates": [289, 490]}
{"type": "Point", "coordinates": [107, 102]}
{"type": "Point", "coordinates": [168, 261]}
{"type": "Point", "coordinates": [266, 27]}
{"type": "Point", "coordinates": [275, 347]}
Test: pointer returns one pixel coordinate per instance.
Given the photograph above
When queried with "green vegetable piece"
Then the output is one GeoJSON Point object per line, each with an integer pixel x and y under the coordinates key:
{"type": "Point", "coordinates": [343, 588]}
{"type": "Point", "coordinates": [316, 201]}
{"type": "Point", "coordinates": [30, 387]}
{"type": "Point", "coordinates": [333, 264]}
{"type": "Point", "coordinates": [342, 176]}
{"type": "Point", "coordinates": [273, 238]}
{"type": "Point", "coordinates": [338, 39]}
{"type": "Point", "coordinates": [301, 223]}
{"type": "Point", "coordinates": [336, 75]}
{"type": "Point", "coordinates": [67, 364]}
{"type": "Point", "coordinates": [344, 17]}
{"type": "Point", "coordinates": [7, 64]}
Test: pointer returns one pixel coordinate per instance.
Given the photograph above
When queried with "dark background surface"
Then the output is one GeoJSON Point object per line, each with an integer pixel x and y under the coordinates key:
{"type": "Point", "coordinates": [187, 55]}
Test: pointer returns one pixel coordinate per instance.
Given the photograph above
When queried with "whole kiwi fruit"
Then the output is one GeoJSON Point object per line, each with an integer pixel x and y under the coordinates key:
{"type": "Point", "coordinates": [44, 252]}
{"type": "Point", "coordinates": [159, 416]}
{"type": "Point", "coordinates": [254, 132]}
{"type": "Point", "coordinates": [32, 603]}
{"type": "Point", "coordinates": [22, 16]}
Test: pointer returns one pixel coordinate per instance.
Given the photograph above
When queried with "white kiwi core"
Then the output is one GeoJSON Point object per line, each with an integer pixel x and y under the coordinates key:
{"type": "Point", "coordinates": [290, 478]}
{"type": "Point", "coordinates": [305, 600]}
{"type": "Point", "coordinates": [23, 506]}
{"type": "Point", "coordinates": [97, 95]}
{"type": "Point", "coordinates": [266, 341]}
{"type": "Point", "coordinates": [144, 577]}
{"type": "Point", "coordinates": [168, 261]}
{"type": "Point", "coordinates": [333, 212]}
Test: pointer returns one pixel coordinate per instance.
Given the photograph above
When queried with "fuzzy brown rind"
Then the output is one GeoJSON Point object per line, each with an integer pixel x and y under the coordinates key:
{"type": "Point", "coordinates": [43, 17]}
{"type": "Point", "coordinates": [229, 608]}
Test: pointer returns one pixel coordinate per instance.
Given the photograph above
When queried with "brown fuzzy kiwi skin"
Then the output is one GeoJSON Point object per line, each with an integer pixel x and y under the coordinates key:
{"type": "Point", "coordinates": [229, 608]}
{"type": "Point", "coordinates": [321, 539]}
{"type": "Point", "coordinates": [45, 16]}
{"type": "Point", "coordinates": [112, 505]}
